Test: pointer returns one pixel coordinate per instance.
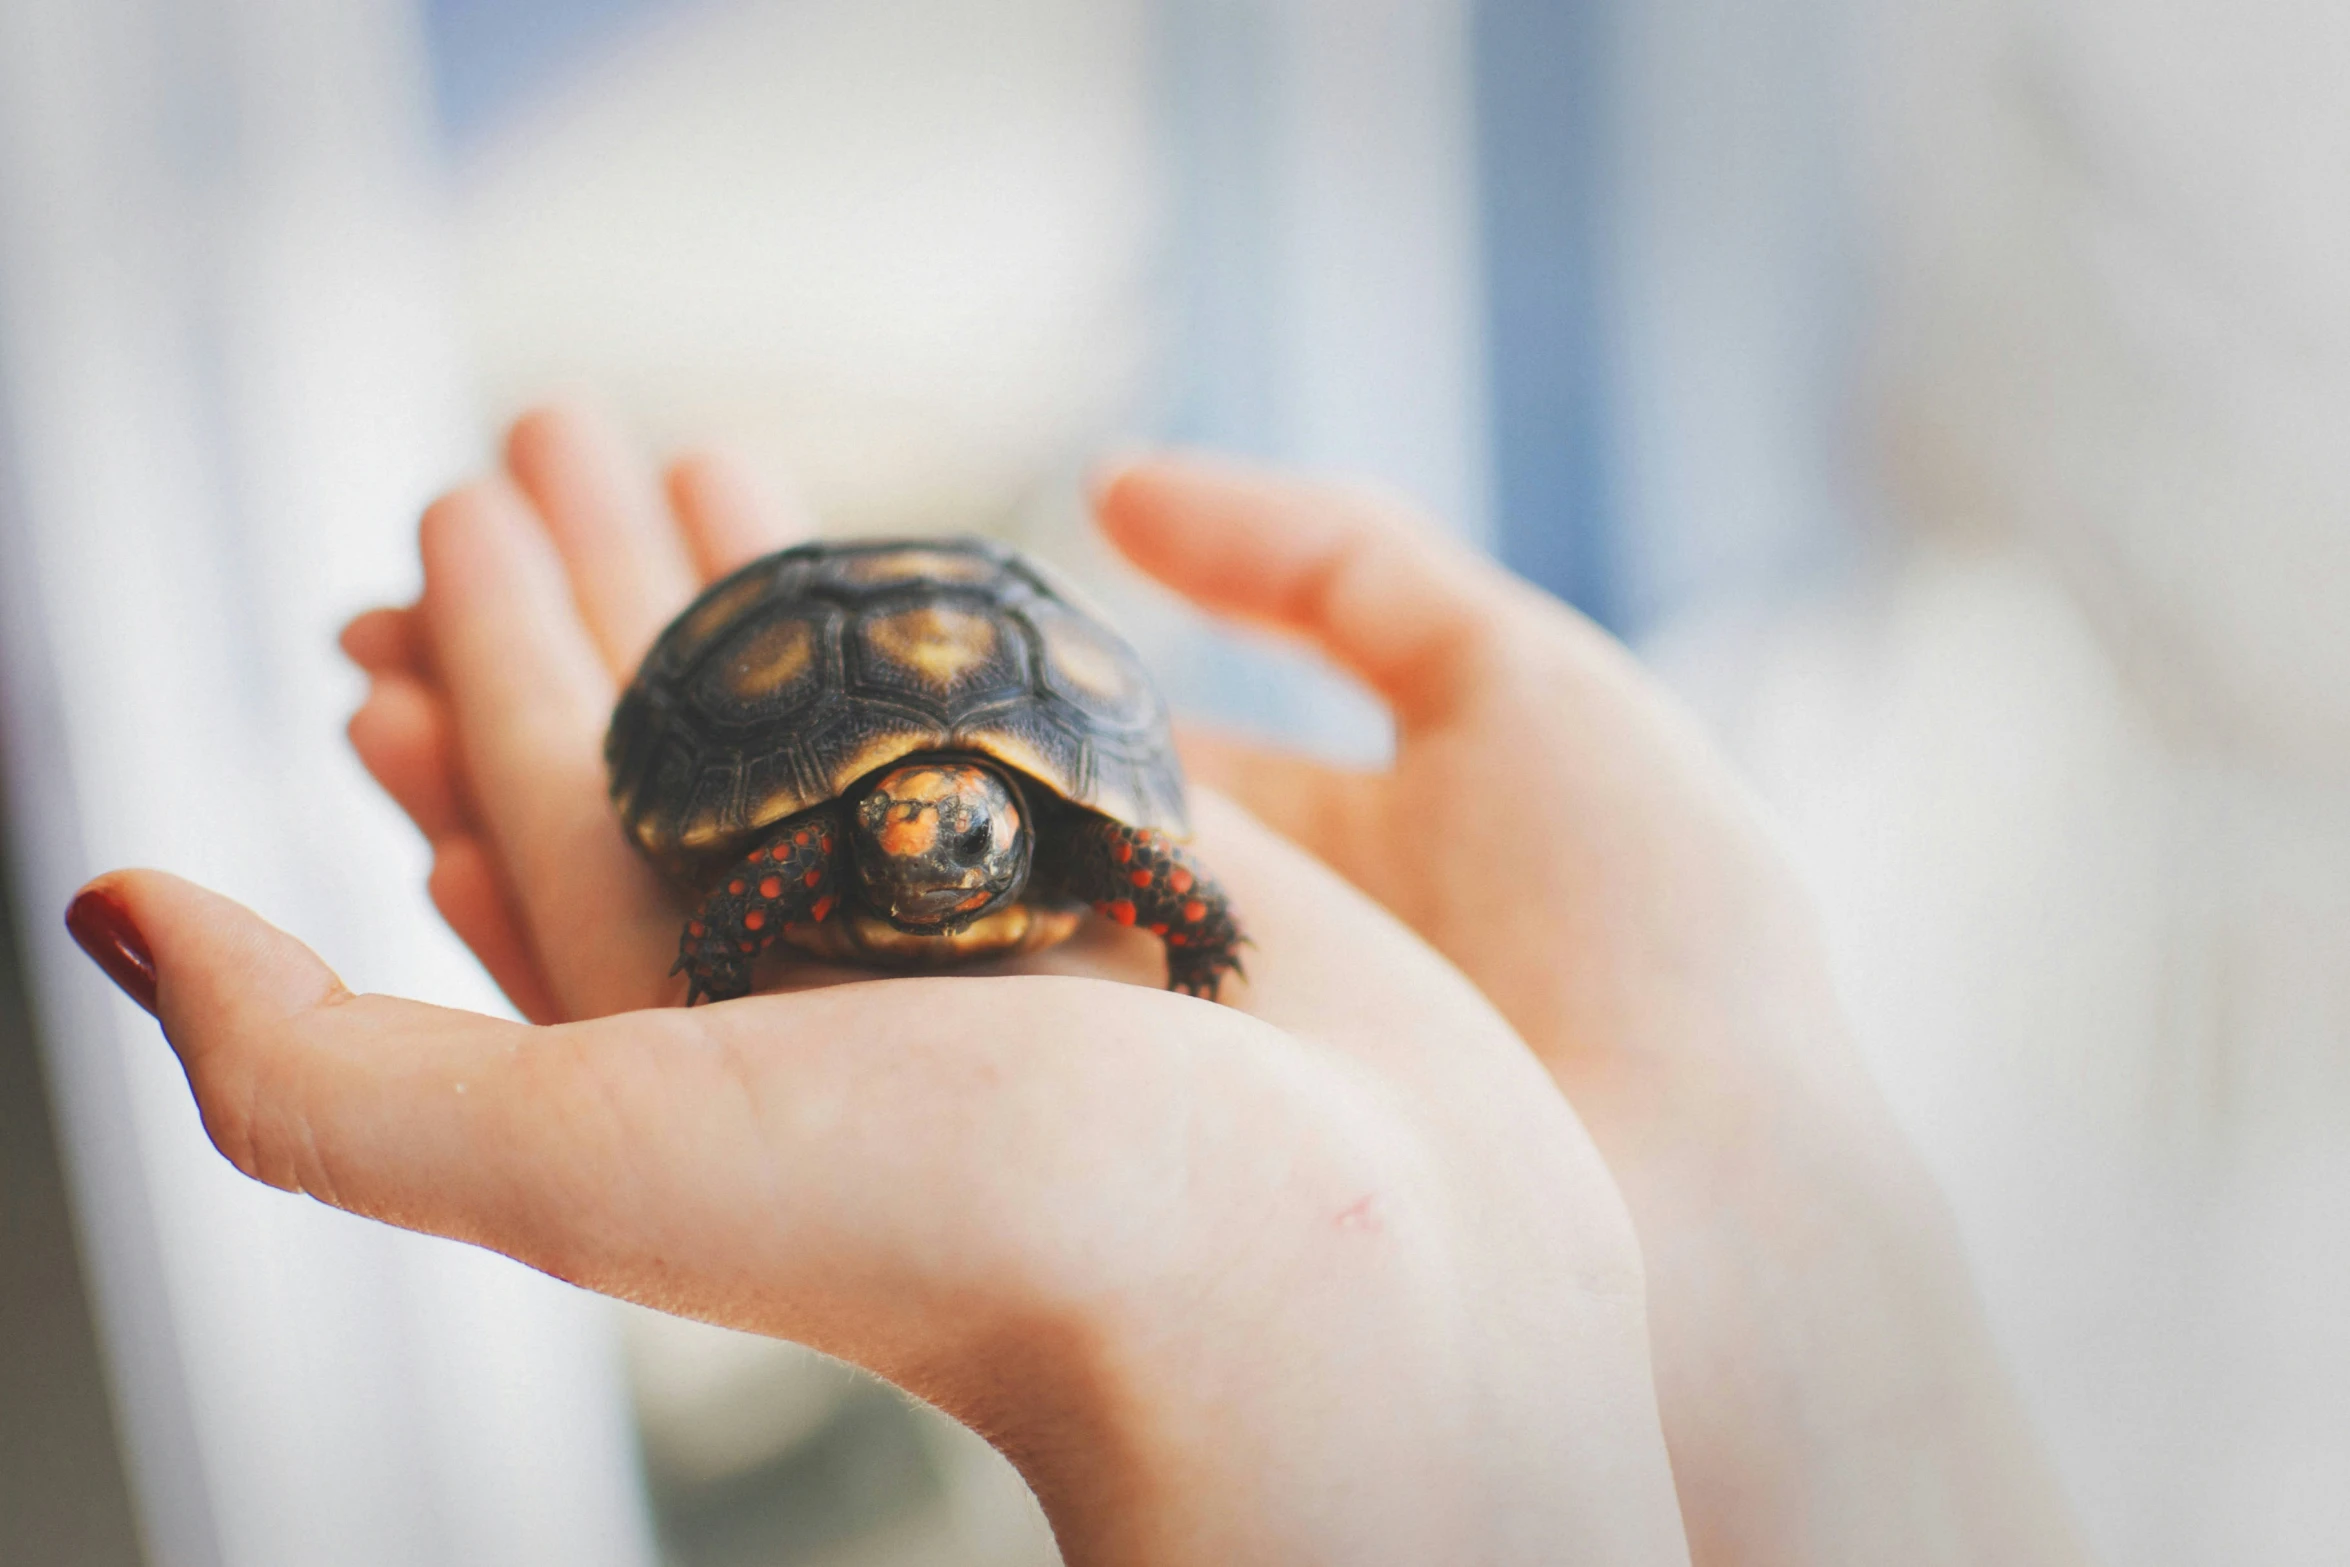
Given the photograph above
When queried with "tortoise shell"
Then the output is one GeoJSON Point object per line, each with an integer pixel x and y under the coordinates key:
{"type": "Point", "coordinates": [786, 682]}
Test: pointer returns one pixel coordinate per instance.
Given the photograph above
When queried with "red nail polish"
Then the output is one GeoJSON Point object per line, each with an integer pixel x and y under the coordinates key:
{"type": "Point", "coordinates": [101, 922]}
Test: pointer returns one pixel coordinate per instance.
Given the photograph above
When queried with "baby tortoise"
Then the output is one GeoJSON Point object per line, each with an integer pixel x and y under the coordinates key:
{"type": "Point", "coordinates": [907, 753]}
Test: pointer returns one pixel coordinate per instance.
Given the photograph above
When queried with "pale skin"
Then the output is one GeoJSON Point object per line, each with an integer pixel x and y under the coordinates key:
{"type": "Point", "coordinates": [1330, 1275]}
{"type": "Point", "coordinates": [1334, 1274]}
{"type": "Point", "coordinates": [1556, 826]}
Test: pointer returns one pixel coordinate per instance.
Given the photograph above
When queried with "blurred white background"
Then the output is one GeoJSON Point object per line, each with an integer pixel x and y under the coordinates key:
{"type": "Point", "coordinates": [1945, 396]}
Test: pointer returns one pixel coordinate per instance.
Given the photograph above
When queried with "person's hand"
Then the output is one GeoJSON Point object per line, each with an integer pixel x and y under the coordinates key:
{"type": "Point", "coordinates": [488, 700]}
{"type": "Point", "coordinates": [1557, 828]}
{"type": "Point", "coordinates": [1331, 1275]}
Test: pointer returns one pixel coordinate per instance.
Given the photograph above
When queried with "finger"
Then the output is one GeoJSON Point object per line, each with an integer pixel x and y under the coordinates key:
{"type": "Point", "coordinates": [267, 1035]}
{"type": "Point", "coordinates": [530, 697]}
{"type": "Point", "coordinates": [727, 519]}
{"type": "Point", "coordinates": [471, 895]}
{"type": "Point", "coordinates": [405, 737]}
{"type": "Point", "coordinates": [434, 1119]}
{"type": "Point", "coordinates": [627, 566]}
{"type": "Point", "coordinates": [1388, 597]}
{"type": "Point", "coordinates": [764, 1162]}
{"type": "Point", "coordinates": [387, 641]}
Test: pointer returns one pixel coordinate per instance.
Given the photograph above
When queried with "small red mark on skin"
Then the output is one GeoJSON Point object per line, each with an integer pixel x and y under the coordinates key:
{"type": "Point", "coordinates": [1140, 878]}
{"type": "Point", "coordinates": [1360, 1215]}
{"type": "Point", "coordinates": [822, 908]}
{"type": "Point", "coordinates": [1179, 880]}
{"type": "Point", "coordinates": [755, 920]}
{"type": "Point", "coordinates": [1121, 911]}
{"type": "Point", "coordinates": [771, 888]}
{"type": "Point", "coordinates": [1194, 912]}
{"type": "Point", "coordinates": [735, 887]}
{"type": "Point", "coordinates": [813, 877]}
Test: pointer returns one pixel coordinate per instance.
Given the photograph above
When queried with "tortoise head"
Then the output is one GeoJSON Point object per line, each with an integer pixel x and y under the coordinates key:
{"type": "Point", "coordinates": [939, 843]}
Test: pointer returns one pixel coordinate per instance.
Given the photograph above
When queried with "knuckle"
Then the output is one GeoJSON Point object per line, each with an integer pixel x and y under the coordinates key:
{"type": "Point", "coordinates": [236, 1103]}
{"type": "Point", "coordinates": [230, 1126]}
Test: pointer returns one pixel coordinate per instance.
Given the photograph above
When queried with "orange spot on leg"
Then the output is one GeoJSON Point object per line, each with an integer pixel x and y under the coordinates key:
{"type": "Point", "coordinates": [813, 877]}
{"type": "Point", "coordinates": [1140, 878]}
{"type": "Point", "coordinates": [1121, 911]}
{"type": "Point", "coordinates": [771, 888]}
{"type": "Point", "coordinates": [735, 887]}
{"type": "Point", "coordinates": [822, 908]}
{"type": "Point", "coordinates": [755, 920]}
{"type": "Point", "coordinates": [1123, 853]}
{"type": "Point", "coordinates": [1179, 880]}
{"type": "Point", "coordinates": [1194, 912]}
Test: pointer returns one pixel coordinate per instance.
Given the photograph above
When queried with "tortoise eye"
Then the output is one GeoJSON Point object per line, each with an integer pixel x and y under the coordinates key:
{"type": "Point", "coordinates": [973, 845]}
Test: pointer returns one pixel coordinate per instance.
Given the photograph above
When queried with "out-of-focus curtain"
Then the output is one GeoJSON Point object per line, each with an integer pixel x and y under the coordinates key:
{"type": "Point", "coordinates": [227, 384]}
{"type": "Point", "coordinates": [2071, 764]}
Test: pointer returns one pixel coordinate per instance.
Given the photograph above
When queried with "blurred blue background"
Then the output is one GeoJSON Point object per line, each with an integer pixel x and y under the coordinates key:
{"type": "Point", "coordinates": [1545, 130]}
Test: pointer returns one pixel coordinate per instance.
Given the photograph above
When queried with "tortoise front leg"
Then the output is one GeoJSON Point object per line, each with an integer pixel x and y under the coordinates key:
{"type": "Point", "coordinates": [789, 879]}
{"type": "Point", "coordinates": [1140, 877]}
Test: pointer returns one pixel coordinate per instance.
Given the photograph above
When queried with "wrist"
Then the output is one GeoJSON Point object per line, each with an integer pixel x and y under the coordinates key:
{"type": "Point", "coordinates": [1818, 1340]}
{"type": "Point", "coordinates": [1319, 1378]}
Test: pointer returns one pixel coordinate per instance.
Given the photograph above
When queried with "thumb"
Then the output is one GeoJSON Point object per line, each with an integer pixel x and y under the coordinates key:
{"type": "Point", "coordinates": [1409, 611]}
{"type": "Point", "coordinates": [827, 1166]}
{"type": "Point", "coordinates": [598, 1152]}
{"type": "Point", "coordinates": [292, 1072]}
